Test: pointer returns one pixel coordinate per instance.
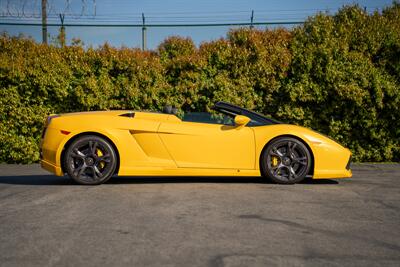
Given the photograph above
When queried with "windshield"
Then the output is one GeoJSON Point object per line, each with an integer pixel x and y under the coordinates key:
{"type": "Point", "coordinates": [209, 117]}
{"type": "Point", "coordinates": [223, 113]}
{"type": "Point", "coordinates": [256, 118]}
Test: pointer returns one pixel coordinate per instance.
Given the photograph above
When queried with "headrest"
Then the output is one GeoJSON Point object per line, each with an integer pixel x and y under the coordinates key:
{"type": "Point", "coordinates": [170, 110]}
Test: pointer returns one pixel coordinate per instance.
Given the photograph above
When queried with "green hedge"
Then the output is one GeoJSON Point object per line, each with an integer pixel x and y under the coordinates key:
{"type": "Point", "coordinates": [338, 74]}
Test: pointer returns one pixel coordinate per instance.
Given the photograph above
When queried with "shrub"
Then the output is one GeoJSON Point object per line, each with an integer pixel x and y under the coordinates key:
{"type": "Point", "coordinates": [338, 74]}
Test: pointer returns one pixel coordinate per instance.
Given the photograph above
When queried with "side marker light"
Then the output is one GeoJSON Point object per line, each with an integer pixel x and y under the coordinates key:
{"type": "Point", "coordinates": [316, 142]}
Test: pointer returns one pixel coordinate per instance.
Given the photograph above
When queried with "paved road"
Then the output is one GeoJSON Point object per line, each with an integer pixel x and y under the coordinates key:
{"type": "Point", "coordinates": [49, 221]}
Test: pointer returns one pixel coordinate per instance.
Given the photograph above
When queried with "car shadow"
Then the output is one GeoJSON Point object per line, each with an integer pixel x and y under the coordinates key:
{"type": "Point", "coordinates": [36, 180]}
{"type": "Point", "coordinates": [57, 180]}
{"type": "Point", "coordinates": [318, 181]}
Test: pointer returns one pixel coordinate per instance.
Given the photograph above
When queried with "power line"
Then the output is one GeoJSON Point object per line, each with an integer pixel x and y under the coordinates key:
{"type": "Point", "coordinates": [153, 25]}
{"type": "Point", "coordinates": [236, 12]}
{"type": "Point", "coordinates": [166, 15]}
{"type": "Point", "coordinates": [152, 21]}
{"type": "Point", "coordinates": [13, 10]}
{"type": "Point", "coordinates": [158, 20]}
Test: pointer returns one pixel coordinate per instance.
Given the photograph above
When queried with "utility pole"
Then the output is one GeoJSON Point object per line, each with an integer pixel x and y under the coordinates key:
{"type": "Point", "coordinates": [44, 22]}
{"type": "Point", "coordinates": [143, 33]}
{"type": "Point", "coordinates": [251, 19]}
{"type": "Point", "coordinates": [62, 36]}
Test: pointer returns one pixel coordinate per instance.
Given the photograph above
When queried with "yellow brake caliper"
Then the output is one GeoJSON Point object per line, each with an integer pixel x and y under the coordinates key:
{"type": "Point", "coordinates": [274, 161]}
{"type": "Point", "coordinates": [99, 154]}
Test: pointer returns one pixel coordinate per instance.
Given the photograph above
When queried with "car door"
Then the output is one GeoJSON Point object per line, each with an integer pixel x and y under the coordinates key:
{"type": "Point", "coordinates": [205, 145]}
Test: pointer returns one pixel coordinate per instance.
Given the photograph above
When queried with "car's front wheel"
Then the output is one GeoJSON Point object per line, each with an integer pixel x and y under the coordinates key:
{"type": "Point", "coordinates": [90, 160]}
{"type": "Point", "coordinates": [286, 160]}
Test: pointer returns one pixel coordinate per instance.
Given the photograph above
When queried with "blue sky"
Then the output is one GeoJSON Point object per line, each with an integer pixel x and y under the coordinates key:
{"type": "Point", "coordinates": [160, 12]}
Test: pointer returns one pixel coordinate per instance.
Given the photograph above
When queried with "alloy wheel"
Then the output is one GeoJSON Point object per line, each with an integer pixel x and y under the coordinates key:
{"type": "Point", "coordinates": [90, 160]}
{"type": "Point", "coordinates": [287, 160]}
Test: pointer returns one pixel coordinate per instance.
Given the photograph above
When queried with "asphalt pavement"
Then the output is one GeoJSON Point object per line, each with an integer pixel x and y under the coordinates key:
{"type": "Point", "coordinates": [196, 221]}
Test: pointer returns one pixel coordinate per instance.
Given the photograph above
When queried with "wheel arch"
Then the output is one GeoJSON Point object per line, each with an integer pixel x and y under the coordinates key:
{"type": "Point", "coordinates": [73, 138]}
{"type": "Point", "coordinates": [310, 172]}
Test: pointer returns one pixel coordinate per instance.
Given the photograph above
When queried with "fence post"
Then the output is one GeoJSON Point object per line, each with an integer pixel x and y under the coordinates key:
{"type": "Point", "coordinates": [143, 33]}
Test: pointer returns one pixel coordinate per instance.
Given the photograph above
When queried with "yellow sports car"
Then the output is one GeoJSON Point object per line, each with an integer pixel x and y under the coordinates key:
{"type": "Point", "coordinates": [93, 146]}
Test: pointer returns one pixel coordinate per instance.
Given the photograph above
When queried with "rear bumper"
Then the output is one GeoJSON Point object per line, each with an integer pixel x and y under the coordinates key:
{"type": "Point", "coordinates": [50, 150]}
{"type": "Point", "coordinates": [51, 168]}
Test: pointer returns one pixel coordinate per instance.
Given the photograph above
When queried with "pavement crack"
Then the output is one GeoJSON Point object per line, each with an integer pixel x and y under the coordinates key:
{"type": "Point", "coordinates": [322, 231]}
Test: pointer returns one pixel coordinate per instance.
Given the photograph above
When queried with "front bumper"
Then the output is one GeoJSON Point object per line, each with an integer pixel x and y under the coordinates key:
{"type": "Point", "coordinates": [336, 174]}
{"type": "Point", "coordinates": [332, 161]}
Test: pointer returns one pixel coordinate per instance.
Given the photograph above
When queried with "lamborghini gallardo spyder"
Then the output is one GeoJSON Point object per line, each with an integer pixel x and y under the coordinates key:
{"type": "Point", "coordinates": [91, 147]}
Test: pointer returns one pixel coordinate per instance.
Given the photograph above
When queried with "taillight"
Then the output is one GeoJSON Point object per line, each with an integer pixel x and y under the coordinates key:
{"type": "Point", "coordinates": [47, 122]}
{"type": "Point", "coordinates": [44, 132]}
{"type": "Point", "coordinates": [49, 118]}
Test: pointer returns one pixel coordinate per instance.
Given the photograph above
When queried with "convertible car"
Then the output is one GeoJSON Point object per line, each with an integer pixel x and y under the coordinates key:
{"type": "Point", "coordinates": [91, 147]}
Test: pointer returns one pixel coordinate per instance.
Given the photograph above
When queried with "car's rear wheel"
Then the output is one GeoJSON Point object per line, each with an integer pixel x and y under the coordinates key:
{"type": "Point", "coordinates": [286, 160]}
{"type": "Point", "coordinates": [90, 160]}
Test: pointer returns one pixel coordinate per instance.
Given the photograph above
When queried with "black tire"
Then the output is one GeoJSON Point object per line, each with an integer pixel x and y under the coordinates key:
{"type": "Point", "coordinates": [286, 160]}
{"type": "Point", "coordinates": [90, 160]}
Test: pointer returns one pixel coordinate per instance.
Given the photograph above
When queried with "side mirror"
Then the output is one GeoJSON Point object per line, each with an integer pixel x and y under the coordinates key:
{"type": "Point", "coordinates": [241, 120]}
